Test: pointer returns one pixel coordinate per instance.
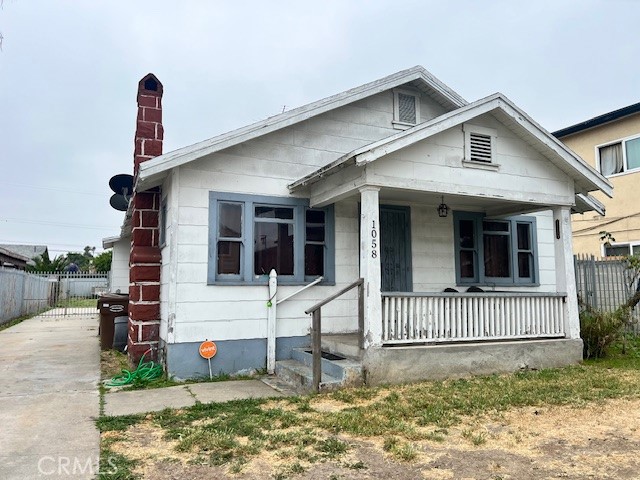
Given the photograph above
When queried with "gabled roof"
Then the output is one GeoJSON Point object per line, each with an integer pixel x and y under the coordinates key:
{"type": "Point", "coordinates": [13, 255]}
{"type": "Point", "coordinates": [599, 120]}
{"type": "Point", "coordinates": [28, 251]}
{"type": "Point", "coordinates": [586, 178]}
{"type": "Point", "coordinates": [418, 75]}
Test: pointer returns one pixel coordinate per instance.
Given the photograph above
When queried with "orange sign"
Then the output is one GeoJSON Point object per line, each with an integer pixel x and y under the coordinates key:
{"type": "Point", "coordinates": [208, 349]}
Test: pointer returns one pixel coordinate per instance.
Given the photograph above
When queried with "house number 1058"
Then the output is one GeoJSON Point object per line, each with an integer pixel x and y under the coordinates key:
{"type": "Point", "coordinates": [374, 240]}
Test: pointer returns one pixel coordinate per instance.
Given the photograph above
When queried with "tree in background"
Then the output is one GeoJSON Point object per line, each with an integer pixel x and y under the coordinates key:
{"type": "Point", "coordinates": [80, 261]}
{"type": "Point", "coordinates": [102, 261]}
{"type": "Point", "coordinates": [44, 264]}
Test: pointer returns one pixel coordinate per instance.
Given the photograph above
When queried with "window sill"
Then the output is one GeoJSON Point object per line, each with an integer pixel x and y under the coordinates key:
{"type": "Point", "coordinates": [494, 167]}
{"type": "Point", "coordinates": [622, 174]}
{"type": "Point", "coordinates": [402, 125]}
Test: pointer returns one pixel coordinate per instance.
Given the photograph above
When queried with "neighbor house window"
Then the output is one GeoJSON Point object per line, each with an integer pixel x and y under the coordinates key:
{"type": "Point", "coordinates": [495, 251]}
{"type": "Point", "coordinates": [619, 157]}
{"type": "Point", "coordinates": [250, 235]}
{"type": "Point", "coordinates": [621, 249]}
{"type": "Point", "coordinates": [406, 108]}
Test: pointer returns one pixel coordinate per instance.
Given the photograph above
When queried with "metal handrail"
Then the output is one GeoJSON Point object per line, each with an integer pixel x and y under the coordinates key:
{"type": "Point", "coordinates": [315, 282]}
{"type": "Point", "coordinates": [316, 327]}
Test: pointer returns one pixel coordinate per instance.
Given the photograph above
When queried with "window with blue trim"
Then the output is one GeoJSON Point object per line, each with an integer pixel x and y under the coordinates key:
{"type": "Point", "coordinates": [495, 251]}
{"type": "Point", "coordinates": [249, 235]}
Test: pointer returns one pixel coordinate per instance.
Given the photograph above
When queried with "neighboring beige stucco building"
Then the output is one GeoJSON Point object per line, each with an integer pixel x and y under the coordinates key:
{"type": "Point", "coordinates": [611, 144]}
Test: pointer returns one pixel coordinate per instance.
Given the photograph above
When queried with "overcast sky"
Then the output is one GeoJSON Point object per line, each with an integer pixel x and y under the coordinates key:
{"type": "Point", "coordinates": [69, 73]}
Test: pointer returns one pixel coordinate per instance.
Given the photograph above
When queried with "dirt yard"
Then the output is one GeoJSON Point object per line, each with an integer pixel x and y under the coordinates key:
{"type": "Point", "coordinates": [598, 440]}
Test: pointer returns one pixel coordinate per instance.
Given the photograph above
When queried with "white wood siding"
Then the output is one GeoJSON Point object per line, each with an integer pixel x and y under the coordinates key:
{"type": "Point", "coordinates": [267, 165]}
{"type": "Point", "coordinates": [435, 164]}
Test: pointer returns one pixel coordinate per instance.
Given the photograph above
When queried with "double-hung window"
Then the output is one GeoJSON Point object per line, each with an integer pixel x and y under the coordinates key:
{"type": "Point", "coordinates": [620, 156]}
{"type": "Point", "coordinates": [251, 235]}
{"type": "Point", "coordinates": [495, 251]}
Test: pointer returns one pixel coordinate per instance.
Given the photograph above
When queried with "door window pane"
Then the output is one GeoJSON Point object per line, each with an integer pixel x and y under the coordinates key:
{"type": "Point", "coordinates": [230, 220]}
{"type": "Point", "coordinates": [495, 226]}
{"type": "Point", "coordinates": [496, 256]}
{"type": "Point", "coordinates": [273, 248]}
{"type": "Point", "coordinates": [229, 257]}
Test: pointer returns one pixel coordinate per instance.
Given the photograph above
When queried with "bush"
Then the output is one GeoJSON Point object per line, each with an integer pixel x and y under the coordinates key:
{"type": "Point", "coordinates": [600, 329]}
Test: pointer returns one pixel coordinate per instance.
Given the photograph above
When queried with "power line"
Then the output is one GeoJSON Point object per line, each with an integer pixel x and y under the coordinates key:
{"type": "Point", "coordinates": [57, 224]}
{"type": "Point", "coordinates": [53, 189]}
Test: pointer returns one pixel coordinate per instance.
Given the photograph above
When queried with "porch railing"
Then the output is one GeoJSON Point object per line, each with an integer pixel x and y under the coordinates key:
{"type": "Point", "coordinates": [460, 317]}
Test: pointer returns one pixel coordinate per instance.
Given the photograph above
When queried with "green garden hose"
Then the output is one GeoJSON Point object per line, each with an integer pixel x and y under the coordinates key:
{"type": "Point", "coordinates": [145, 372]}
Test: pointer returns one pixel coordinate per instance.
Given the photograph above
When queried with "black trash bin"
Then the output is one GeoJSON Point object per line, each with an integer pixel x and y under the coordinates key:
{"type": "Point", "coordinates": [111, 305]}
{"type": "Point", "coordinates": [120, 333]}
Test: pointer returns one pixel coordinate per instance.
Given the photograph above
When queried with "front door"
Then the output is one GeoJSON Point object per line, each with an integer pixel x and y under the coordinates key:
{"type": "Point", "coordinates": [395, 248]}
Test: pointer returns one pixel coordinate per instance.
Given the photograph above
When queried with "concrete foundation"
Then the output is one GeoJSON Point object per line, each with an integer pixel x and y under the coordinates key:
{"type": "Point", "coordinates": [183, 360]}
{"type": "Point", "coordinates": [386, 365]}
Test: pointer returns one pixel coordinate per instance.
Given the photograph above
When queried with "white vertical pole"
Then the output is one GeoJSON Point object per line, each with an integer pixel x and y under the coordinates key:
{"type": "Point", "coordinates": [370, 265]}
{"type": "Point", "coordinates": [565, 273]}
{"type": "Point", "coordinates": [271, 322]}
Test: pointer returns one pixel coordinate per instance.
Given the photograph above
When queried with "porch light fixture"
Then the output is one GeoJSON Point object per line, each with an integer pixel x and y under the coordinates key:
{"type": "Point", "coordinates": [443, 209]}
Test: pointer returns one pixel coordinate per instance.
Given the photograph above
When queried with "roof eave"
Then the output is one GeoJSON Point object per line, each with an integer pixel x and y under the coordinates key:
{"type": "Point", "coordinates": [220, 142]}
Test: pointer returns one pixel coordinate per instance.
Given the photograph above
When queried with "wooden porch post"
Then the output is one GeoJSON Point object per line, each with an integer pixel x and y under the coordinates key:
{"type": "Point", "coordinates": [370, 265]}
{"type": "Point", "coordinates": [565, 273]}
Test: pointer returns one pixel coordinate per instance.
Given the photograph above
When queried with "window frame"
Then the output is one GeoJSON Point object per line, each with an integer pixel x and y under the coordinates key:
{"type": "Point", "coordinates": [246, 275]}
{"type": "Point", "coordinates": [631, 246]}
{"type": "Point", "coordinates": [480, 279]}
{"type": "Point", "coordinates": [396, 108]}
{"type": "Point", "coordinates": [625, 165]}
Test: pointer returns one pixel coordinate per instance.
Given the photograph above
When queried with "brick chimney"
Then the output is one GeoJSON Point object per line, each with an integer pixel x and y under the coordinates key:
{"type": "Point", "coordinates": [145, 258]}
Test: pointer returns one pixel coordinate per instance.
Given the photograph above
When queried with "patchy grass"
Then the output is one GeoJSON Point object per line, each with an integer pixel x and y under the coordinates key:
{"type": "Point", "coordinates": [300, 431]}
{"type": "Point", "coordinates": [78, 303]}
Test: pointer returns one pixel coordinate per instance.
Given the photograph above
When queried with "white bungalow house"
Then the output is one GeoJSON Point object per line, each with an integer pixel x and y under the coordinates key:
{"type": "Point", "coordinates": [455, 215]}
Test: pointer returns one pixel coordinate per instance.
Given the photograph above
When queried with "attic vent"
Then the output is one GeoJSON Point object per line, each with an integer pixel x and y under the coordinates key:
{"type": "Point", "coordinates": [406, 108]}
{"type": "Point", "coordinates": [479, 147]}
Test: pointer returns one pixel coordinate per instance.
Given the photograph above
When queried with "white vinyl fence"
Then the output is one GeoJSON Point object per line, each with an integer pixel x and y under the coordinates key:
{"type": "Point", "coordinates": [22, 293]}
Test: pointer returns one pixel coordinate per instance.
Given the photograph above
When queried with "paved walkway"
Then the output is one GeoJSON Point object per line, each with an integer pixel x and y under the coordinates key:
{"type": "Point", "coordinates": [49, 369]}
{"type": "Point", "coordinates": [154, 399]}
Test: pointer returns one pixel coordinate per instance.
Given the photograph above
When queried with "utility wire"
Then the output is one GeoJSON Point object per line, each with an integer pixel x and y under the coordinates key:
{"type": "Point", "coordinates": [53, 189]}
{"type": "Point", "coordinates": [57, 224]}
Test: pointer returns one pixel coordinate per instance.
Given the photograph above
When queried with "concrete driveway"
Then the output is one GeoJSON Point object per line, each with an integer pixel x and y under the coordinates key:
{"type": "Point", "coordinates": [49, 371]}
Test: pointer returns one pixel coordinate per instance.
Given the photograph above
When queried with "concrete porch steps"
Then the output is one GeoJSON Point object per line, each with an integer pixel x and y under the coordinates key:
{"type": "Point", "coordinates": [336, 372]}
{"type": "Point", "coordinates": [346, 345]}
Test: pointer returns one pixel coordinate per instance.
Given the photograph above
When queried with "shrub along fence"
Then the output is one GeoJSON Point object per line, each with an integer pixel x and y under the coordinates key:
{"type": "Point", "coordinates": [22, 293]}
{"type": "Point", "coordinates": [606, 284]}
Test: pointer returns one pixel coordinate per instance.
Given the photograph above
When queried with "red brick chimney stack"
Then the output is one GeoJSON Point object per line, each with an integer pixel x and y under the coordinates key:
{"type": "Point", "coordinates": [145, 259]}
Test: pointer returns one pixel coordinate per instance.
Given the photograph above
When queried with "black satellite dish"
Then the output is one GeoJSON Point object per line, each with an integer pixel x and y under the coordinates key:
{"type": "Point", "coordinates": [122, 184]}
{"type": "Point", "coordinates": [119, 202]}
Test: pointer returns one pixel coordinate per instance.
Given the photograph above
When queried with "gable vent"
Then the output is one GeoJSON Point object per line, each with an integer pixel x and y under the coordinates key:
{"type": "Point", "coordinates": [480, 147]}
{"type": "Point", "coordinates": [406, 108]}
